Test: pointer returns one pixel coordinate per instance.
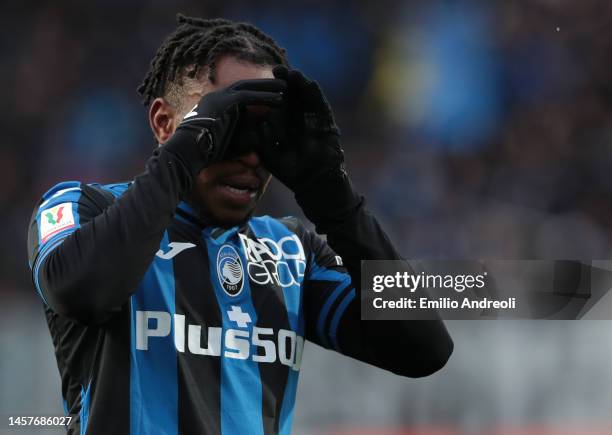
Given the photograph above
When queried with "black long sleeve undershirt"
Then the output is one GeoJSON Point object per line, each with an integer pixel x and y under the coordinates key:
{"type": "Point", "coordinates": [96, 268]}
{"type": "Point", "coordinates": [408, 348]}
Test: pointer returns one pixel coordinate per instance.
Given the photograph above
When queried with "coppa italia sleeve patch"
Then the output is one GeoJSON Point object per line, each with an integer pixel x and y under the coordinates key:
{"type": "Point", "coordinates": [55, 219]}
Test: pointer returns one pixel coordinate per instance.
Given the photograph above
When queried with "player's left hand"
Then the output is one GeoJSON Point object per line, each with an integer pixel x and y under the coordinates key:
{"type": "Point", "coordinates": [300, 142]}
{"type": "Point", "coordinates": [300, 145]}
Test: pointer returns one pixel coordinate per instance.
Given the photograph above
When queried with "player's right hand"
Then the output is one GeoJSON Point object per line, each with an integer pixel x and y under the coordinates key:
{"type": "Point", "coordinates": [204, 135]}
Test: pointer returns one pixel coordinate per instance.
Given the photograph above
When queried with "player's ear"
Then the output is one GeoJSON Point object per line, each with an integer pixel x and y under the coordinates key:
{"type": "Point", "coordinates": [162, 119]}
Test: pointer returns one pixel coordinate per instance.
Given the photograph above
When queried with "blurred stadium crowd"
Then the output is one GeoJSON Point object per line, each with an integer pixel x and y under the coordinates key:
{"type": "Point", "coordinates": [473, 128]}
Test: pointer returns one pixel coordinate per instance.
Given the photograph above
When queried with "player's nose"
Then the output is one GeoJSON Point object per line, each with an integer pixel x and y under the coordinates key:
{"type": "Point", "coordinates": [250, 159]}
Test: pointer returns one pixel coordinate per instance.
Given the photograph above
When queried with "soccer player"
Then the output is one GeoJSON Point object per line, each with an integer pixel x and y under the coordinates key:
{"type": "Point", "coordinates": [173, 310]}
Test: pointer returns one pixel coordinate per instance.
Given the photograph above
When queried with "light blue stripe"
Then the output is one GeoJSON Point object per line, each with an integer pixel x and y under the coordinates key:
{"type": "Point", "coordinates": [84, 413]}
{"type": "Point", "coordinates": [60, 186]}
{"type": "Point", "coordinates": [338, 315]}
{"type": "Point", "coordinates": [153, 372]}
{"type": "Point", "coordinates": [62, 190]}
{"type": "Point", "coordinates": [241, 389]}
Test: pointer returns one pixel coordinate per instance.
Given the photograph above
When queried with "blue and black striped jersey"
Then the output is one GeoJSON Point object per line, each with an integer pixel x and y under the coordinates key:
{"type": "Point", "coordinates": [213, 334]}
{"type": "Point", "coordinates": [165, 325]}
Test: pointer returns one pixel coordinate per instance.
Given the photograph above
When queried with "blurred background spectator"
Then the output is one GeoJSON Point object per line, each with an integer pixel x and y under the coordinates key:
{"type": "Point", "coordinates": [474, 128]}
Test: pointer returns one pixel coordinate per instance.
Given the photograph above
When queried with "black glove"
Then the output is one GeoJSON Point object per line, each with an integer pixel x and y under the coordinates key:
{"type": "Point", "coordinates": [204, 135]}
{"type": "Point", "coordinates": [300, 145]}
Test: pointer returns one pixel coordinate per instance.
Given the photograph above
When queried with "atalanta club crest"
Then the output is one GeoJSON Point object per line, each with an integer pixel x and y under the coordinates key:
{"type": "Point", "coordinates": [229, 270]}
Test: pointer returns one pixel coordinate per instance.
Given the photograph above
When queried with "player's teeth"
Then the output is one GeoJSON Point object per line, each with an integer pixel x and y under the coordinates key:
{"type": "Point", "coordinates": [236, 190]}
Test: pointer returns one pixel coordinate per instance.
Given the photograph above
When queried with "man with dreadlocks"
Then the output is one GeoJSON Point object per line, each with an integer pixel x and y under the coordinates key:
{"type": "Point", "coordinates": [173, 310]}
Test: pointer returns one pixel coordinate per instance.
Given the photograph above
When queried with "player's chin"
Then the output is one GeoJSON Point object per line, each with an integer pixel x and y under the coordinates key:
{"type": "Point", "coordinates": [232, 208]}
{"type": "Point", "coordinates": [228, 217]}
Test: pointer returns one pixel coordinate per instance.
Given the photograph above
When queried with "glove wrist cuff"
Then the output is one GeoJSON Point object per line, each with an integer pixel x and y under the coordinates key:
{"type": "Point", "coordinates": [329, 200]}
{"type": "Point", "coordinates": [191, 148]}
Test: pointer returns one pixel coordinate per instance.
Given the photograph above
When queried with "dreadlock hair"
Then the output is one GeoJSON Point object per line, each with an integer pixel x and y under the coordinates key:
{"type": "Point", "coordinates": [198, 43]}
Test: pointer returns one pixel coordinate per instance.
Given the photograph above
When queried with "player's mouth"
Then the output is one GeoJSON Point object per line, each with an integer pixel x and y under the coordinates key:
{"type": "Point", "coordinates": [240, 190]}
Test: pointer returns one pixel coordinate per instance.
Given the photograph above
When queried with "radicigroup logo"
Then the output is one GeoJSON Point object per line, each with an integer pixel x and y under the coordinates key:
{"type": "Point", "coordinates": [229, 270]}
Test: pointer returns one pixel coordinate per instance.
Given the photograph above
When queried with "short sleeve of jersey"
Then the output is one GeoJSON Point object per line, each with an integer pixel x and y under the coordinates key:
{"type": "Point", "coordinates": [61, 211]}
{"type": "Point", "coordinates": [328, 291]}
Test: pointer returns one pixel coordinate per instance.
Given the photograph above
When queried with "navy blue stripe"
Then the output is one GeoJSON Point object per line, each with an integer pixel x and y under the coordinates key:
{"type": "Point", "coordinates": [199, 407]}
{"type": "Point", "coordinates": [325, 312]}
{"type": "Point", "coordinates": [270, 228]}
{"type": "Point", "coordinates": [153, 371]}
{"type": "Point", "coordinates": [280, 308]}
{"type": "Point", "coordinates": [333, 333]}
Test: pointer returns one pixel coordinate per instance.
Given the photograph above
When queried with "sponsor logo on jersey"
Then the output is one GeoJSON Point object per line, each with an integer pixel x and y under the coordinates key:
{"type": "Point", "coordinates": [281, 262]}
{"type": "Point", "coordinates": [175, 249]}
{"type": "Point", "coordinates": [262, 345]}
{"type": "Point", "coordinates": [229, 270]}
{"type": "Point", "coordinates": [192, 113]}
{"type": "Point", "coordinates": [55, 219]}
{"type": "Point", "coordinates": [239, 317]}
